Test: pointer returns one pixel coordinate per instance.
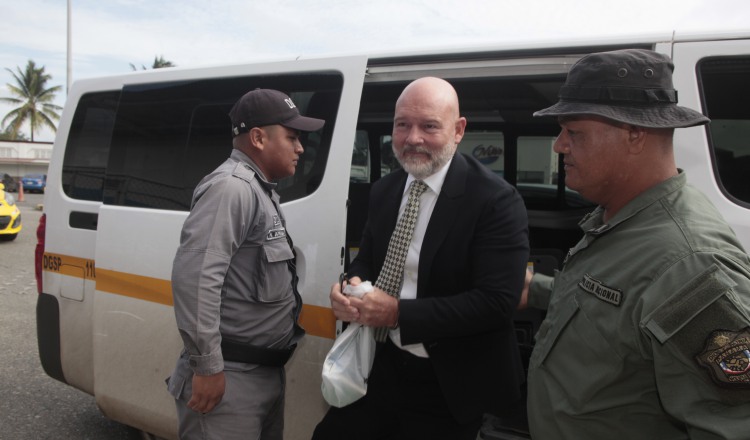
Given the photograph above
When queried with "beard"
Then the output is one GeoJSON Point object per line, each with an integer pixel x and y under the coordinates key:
{"type": "Point", "coordinates": [423, 168]}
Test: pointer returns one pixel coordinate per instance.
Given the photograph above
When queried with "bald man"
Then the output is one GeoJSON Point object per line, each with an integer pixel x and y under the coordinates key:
{"type": "Point", "coordinates": [448, 351]}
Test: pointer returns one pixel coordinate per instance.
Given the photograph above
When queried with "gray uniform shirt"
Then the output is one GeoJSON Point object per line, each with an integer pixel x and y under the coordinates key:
{"type": "Point", "coordinates": [647, 333]}
{"type": "Point", "coordinates": [231, 277]}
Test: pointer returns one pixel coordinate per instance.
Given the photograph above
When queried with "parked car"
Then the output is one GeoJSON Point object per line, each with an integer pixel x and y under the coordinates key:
{"type": "Point", "coordinates": [10, 183]}
{"type": "Point", "coordinates": [10, 216]}
{"type": "Point", "coordinates": [34, 182]}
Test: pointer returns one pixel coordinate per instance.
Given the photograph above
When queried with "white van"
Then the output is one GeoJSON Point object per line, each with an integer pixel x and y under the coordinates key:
{"type": "Point", "coordinates": [131, 148]}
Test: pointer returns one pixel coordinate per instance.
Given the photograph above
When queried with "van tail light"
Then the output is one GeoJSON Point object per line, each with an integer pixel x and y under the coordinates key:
{"type": "Point", "coordinates": [39, 251]}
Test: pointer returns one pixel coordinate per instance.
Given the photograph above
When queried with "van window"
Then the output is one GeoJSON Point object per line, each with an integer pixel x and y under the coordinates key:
{"type": "Point", "coordinates": [726, 93]}
{"type": "Point", "coordinates": [360, 171]}
{"type": "Point", "coordinates": [167, 136]}
{"type": "Point", "coordinates": [87, 148]}
{"type": "Point", "coordinates": [150, 144]}
{"type": "Point", "coordinates": [388, 161]}
{"type": "Point", "coordinates": [488, 147]}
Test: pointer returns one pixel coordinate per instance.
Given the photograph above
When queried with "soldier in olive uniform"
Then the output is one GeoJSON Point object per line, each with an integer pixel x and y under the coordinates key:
{"type": "Point", "coordinates": [647, 334]}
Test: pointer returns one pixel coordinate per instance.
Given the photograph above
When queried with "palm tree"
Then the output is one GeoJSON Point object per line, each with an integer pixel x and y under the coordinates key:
{"type": "Point", "coordinates": [159, 62]}
{"type": "Point", "coordinates": [34, 99]}
{"type": "Point", "coordinates": [8, 135]}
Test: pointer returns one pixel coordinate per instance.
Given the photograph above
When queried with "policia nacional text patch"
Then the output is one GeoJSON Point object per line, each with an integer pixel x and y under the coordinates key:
{"type": "Point", "coordinates": [727, 356]}
{"type": "Point", "coordinates": [598, 289]}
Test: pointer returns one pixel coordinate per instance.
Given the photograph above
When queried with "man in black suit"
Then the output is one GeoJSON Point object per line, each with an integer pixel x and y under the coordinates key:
{"type": "Point", "coordinates": [450, 352]}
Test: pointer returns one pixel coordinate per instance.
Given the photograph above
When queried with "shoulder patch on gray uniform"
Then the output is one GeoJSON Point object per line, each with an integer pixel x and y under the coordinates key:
{"type": "Point", "coordinates": [244, 172]}
{"type": "Point", "coordinates": [599, 290]}
{"type": "Point", "coordinates": [727, 356]}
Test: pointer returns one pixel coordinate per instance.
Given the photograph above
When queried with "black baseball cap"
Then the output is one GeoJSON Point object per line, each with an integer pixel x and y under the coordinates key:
{"type": "Point", "coordinates": [262, 107]}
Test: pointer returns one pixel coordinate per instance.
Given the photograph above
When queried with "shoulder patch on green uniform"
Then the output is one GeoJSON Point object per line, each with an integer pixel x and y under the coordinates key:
{"type": "Point", "coordinates": [727, 356]}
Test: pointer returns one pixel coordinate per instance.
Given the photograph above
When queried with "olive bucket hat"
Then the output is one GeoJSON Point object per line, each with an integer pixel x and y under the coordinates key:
{"type": "Point", "coordinates": [633, 86]}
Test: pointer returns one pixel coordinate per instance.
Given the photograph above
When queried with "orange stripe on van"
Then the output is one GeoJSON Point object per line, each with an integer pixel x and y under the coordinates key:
{"type": "Point", "coordinates": [67, 265]}
{"type": "Point", "coordinates": [317, 320]}
{"type": "Point", "coordinates": [135, 286]}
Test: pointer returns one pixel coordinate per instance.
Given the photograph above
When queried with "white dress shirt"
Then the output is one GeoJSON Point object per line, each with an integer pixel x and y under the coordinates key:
{"type": "Point", "coordinates": [426, 205]}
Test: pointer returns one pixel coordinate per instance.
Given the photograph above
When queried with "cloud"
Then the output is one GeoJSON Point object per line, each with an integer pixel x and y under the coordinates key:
{"type": "Point", "coordinates": [109, 35]}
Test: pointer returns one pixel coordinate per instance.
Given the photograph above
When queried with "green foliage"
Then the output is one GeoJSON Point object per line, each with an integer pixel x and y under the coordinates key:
{"type": "Point", "coordinates": [159, 62]}
{"type": "Point", "coordinates": [34, 100]}
{"type": "Point", "coordinates": [8, 135]}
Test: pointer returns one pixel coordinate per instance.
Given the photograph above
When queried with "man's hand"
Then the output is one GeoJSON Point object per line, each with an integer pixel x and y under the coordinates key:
{"type": "Point", "coordinates": [207, 392]}
{"type": "Point", "coordinates": [341, 304]}
{"type": "Point", "coordinates": [376, 309]}
{"type": "Point", "coordinates": [524, 302]}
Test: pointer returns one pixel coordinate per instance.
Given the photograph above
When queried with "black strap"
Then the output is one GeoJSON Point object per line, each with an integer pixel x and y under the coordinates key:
{"type": "Point", "coordinates": [250, 354]}
{"type": "Point", "coordinates": [618, 94]}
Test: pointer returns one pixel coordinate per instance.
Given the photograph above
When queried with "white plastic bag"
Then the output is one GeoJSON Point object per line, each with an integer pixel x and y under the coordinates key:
{"type": "Point", "coordinates": [348, 363]}
{"type": "Point", "coordinates": [347, 366]}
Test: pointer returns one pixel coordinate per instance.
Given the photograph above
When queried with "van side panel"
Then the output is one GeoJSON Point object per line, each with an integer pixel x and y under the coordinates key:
{"type": "Point", "coordinates": [135, 341]}
{"type": "Point", "coordinates": [68, 253]}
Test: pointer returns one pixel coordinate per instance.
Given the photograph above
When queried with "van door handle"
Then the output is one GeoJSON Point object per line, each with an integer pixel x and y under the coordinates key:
{"type": "Point", "coordinates": [83, 220]}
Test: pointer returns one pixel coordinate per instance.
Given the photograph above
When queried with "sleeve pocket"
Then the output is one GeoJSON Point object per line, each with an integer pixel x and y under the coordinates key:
{"type": "Point", "coordinates": [695, 297]}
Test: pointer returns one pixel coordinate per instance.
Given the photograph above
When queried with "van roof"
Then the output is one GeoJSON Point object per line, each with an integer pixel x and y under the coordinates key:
{"type": "Point", "coordinates": [480, 51]}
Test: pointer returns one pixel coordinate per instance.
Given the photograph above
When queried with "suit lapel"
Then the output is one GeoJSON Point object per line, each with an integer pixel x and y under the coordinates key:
{"type": "Point", "coordinates": [443, 217]}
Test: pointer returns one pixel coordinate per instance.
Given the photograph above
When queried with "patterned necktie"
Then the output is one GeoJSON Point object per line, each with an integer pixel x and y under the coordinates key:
{"type": "Point", "coordinates": [392, 274]}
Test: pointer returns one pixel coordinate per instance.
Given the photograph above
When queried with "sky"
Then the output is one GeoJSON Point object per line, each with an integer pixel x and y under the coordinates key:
{"type": "Point", "coordinates": [110, 35]}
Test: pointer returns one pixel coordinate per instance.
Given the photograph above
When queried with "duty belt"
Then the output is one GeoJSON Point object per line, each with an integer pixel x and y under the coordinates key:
{"type": "Point", "coordinates": [250, 354]}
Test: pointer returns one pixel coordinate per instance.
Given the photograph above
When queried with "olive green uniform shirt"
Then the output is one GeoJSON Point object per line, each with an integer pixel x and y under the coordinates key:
{"type": "Point", "coordinates": [647, 333]}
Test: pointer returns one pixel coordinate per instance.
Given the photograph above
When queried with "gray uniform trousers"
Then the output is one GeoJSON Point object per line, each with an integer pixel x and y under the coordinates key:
{"type": "Point", "coordinates": [252, 407]}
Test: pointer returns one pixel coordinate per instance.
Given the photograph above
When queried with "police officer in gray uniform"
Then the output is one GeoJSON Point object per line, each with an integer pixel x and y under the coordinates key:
{"type": "Point", "coordinates": [647, 333]}
{"type": "Point", "coordinates": [234, 281]}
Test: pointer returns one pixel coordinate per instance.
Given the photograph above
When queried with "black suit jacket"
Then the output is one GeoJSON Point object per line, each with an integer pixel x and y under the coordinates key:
{"type": "Point", "coordinates": [471, 272]}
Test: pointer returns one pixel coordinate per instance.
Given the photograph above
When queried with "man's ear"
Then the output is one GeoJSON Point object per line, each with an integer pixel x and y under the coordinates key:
{"type": "Point", "coordinates": [257, 138]}
{"type": "Point", "coordinates": [636, 138]}
{"type": "Point", "coordinates": [460, 129]}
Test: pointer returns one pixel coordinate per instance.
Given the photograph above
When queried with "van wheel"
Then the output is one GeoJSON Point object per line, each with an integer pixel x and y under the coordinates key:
{"type": "Point", "coordinates": [8, 237]}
